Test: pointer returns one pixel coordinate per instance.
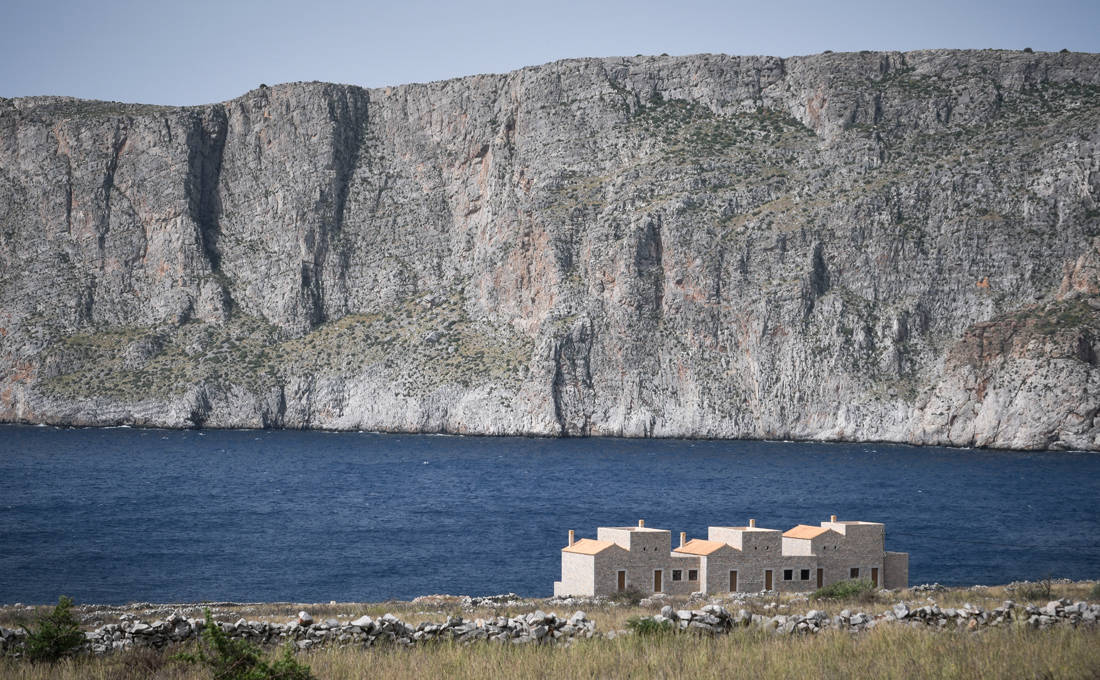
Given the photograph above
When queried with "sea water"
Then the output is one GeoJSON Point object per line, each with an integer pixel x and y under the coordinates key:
{"type": "Point", "coordinates": [122, 515]}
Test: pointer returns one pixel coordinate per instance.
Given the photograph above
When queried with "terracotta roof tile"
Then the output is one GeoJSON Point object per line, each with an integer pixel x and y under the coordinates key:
{"type": "Point", "coordinates": [805, 531]}
{"type": "Point", "coordinates": [588, 546]}
{"type": "Point", "coordinates": [698, 546]}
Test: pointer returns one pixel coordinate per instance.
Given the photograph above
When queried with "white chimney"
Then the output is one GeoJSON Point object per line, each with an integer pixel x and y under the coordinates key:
{"type": "Point", "coordinates": [571, 538]}
{"type": "Point", "coordinates": [641, 523]}
{"type": "Point", "coordinates": [683, 538]}
{"type": "Point", "coordinates": [832, 518]}
{"type": "Point", "coordinates": [752, 522]}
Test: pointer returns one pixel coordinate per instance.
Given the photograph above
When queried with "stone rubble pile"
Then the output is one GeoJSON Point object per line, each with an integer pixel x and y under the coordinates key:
{"type": "Point", "coordinates": [716, 619]}
{"type": "Point", "coordinates": [537, 627]}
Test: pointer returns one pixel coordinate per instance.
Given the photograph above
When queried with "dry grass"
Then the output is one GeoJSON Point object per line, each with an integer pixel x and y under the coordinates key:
{"type": "Point", "coordinates": [885, 652]}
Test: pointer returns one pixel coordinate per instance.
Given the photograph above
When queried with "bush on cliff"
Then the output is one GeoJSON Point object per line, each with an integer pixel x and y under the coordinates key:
{"type": "Point", "coordinates": [230, 659]}
{"type": "Point", "coordinates": [57, 634]}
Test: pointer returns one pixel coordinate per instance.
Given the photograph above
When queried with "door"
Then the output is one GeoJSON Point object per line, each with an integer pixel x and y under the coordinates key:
{"type": "Point", "coordinates": [657, 581]}
{"type": "Point", "coordinates": [733, 581]}
{"type": "Point", "coordinates": [820, 577]}
{"type": "Point", "coordinates": [767, 579]}
{"type": "Point", "coordinates": [874, 576]}
{"type": "Point", "coordinates": [622, 581]}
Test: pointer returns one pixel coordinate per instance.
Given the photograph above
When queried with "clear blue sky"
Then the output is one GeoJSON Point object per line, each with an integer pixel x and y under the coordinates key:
{"type": "Point", "coordinates": [200, 51]}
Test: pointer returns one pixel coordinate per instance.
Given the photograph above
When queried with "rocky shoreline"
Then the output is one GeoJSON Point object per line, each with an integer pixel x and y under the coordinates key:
{"type": "Point", "coordinates": [492, 619]}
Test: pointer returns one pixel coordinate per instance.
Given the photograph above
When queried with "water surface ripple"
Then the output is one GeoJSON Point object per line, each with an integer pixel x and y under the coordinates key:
{"type": "Point", "coordinates": [119, 515]}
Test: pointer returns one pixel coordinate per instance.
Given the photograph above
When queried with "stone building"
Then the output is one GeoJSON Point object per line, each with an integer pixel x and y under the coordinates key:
{"type": "Point", "coordinates": [745, 559]}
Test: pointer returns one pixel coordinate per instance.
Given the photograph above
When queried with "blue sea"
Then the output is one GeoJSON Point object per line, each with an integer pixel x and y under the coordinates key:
{"type": "Point", "coordinates": [123, 515]}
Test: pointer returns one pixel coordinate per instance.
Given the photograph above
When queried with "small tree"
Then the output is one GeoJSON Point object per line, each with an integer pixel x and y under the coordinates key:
{"type": "Point", "coordinates": [57, 634]}
{"type": "Point", "coordinates": [230, 659]}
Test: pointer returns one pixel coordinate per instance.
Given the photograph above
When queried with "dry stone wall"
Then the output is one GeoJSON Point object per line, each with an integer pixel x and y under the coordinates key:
{"type": "Point", "coordinates": [540, 627]}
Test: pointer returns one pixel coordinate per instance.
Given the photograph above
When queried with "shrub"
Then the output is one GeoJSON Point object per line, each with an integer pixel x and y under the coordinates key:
{"type": "Point", "coordinates": [230, 659]}
{"type": "Point", "coordinates": [1040, 590]}
{"type": "Point", "coordinates": [1028, 50]}
{"type": "Point", "coordinates": [630, 596]}
{"type": "Point", "coordinates": [644, 625]}
{"type": "Point", "coordinates": [861, 589]}
{"type": "Point", "coordinates": [1094, 594]}
{"type": "Point", "coordinates": [57, 634]}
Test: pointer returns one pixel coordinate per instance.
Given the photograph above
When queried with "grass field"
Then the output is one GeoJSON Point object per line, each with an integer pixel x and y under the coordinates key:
{"type": "Point", "coordinates": [885, 652]}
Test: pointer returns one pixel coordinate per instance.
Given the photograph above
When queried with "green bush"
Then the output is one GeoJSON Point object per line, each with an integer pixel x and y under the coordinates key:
{"type": "Point", "coordinates": [57, 634]}
{"type": "Point", "coordinates": [1040, 590]}
{"type": "Point", "coordinates": [230, 659]}
{"type": "Point", "coordinates": [630, 596]}
{"type": "Point", "coordinates": [643, 625]}
{"type": "Point", "coordinates": [861, 589]}
{"type": "Point", "coordinates": [1094, 594]}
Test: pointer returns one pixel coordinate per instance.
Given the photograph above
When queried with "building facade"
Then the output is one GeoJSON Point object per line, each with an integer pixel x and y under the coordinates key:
{"type": "Point", "coordinates": [731, 559]}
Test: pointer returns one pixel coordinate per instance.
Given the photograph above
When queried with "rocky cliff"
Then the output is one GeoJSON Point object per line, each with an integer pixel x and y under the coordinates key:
{"type": "Point", "coordinates": [872, 246]}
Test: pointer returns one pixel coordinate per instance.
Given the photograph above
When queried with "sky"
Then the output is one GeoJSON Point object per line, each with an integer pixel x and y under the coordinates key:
{"type": "Point", "coordinates": [201, 51]}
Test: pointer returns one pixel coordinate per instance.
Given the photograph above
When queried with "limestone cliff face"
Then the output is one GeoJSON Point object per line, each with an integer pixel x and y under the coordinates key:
{"type": "Point", "coordinates": [873, 246]}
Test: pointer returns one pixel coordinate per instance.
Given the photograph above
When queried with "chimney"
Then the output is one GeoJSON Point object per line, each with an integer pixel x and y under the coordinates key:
{"type": "Point", "coordinates": [752, 522]}
{"type": "Point", "coordinates": [683, 538]}
{"type": "Point", "coordinates": [572, 540]}
{"type": "Point", "coordinates": [832, 518]}
{"type": "Point", "coordinates": [641, 523]}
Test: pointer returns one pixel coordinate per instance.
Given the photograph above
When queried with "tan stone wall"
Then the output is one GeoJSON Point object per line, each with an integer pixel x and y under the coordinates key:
{"type": "Point", "coordinates": [649, 552]}
{"type": "Point", "coordinates": [718, 567]}
{"type": "Point", "coordinates": [861, 546]}
{"type": "Point", "coordinates": [684, 563]}
{"type": "Point", "coordinates": [577, 575]}
{"type": "Point", "coordinates": [896, 566]}
{"type": "Point", "coordinates": [796, 563]}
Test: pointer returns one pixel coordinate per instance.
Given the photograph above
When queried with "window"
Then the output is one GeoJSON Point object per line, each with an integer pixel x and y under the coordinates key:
{"type": "Point", "coordinates": [853, 572]}
{"type": "Point", "coordinates": [804, 575]}
{"type": "Point", "coordinates": [677, 575]}
{"type": "Point", "coordinates": [693, 574]}
{"type": "Point", "coordinates": [788, 574]}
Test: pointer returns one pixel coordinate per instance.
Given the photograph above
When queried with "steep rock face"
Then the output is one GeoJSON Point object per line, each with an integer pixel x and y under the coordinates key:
{"type": "Point", "coordinates": [873, 246]}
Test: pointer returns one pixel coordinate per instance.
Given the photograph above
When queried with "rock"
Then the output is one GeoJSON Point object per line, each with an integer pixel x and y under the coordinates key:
{"type": "Point", "coordinates": [268, 205]}
{"type": "Point", "coordinates": [363, 622]}
{"type": "Point", "coordinates": [901, 610]}
{"type": "Point", "coordinates": [304, 619]}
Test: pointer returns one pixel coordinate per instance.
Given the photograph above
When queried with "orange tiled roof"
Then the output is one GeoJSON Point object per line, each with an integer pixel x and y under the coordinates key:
{"type": "Point", "coordinates": [588, 546]}
{"type": "Point", "coordinates": [805, 531]}
{"type": "Point", "coordinates": [698, 546]}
